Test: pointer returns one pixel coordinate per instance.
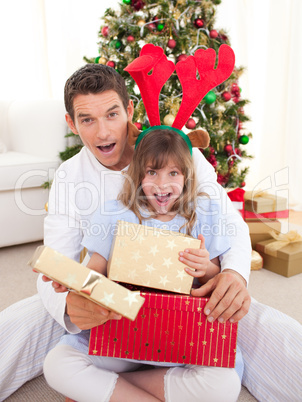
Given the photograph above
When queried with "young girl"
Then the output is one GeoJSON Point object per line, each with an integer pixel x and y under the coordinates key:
{"type": "Point", "coordinates": [159, 191]}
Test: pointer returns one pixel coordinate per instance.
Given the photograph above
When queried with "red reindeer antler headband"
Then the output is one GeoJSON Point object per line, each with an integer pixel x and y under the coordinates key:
{"type": "Point", "coordinates": [152, 69]}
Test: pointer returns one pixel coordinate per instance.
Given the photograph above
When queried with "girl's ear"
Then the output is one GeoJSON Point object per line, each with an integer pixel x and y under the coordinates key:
{"type": "Point", "coordinates": [133, 133]}
{"type": "Point", "coordinates": [199, 138]}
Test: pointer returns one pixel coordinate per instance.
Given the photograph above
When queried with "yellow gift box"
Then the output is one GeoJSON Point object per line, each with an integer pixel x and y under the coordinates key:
{"type": "Point", "coordinates": [263, 202]}
{"type": "Point", "coordinates": [282, 253]}
{"type": "Point", "coordinates": [147, 256]}
{"type": "Point", "coordinates": [260, 230]}
{"type": "Point", "coordinates": [86, 282]}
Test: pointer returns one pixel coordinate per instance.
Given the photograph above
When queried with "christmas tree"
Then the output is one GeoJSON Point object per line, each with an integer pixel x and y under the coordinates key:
{"type": "Point", "coordinates": [180, 27]}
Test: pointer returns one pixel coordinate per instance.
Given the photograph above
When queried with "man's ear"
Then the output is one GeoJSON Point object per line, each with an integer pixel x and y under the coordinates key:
{"type": "Point", "coordinates": [199, 138]}
{"type": "Point", "coordinates": [130, 110]}
{"type": "Point", "coordinates": [70, 123]}
{"type": "Point", "coordinates": [133, 133]}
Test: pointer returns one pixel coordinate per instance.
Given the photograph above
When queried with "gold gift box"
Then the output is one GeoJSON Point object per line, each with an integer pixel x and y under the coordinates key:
{"type": "Point", "coordinates": [147, 256]}
{"type": "Point", "coordinates": [260, 230]}
{"type": "Point", "coordinates": [285, 259]}
{"type": "Point", "coordinates": [263, 202]}
{"type": "Point", "coordinates": [86, 282]}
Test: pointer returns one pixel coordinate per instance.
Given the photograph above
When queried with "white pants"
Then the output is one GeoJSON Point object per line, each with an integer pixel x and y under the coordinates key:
{"type": "Point", "coordinates": [92, 379]}
{"type": "Point", "coordinates": [270, 342]}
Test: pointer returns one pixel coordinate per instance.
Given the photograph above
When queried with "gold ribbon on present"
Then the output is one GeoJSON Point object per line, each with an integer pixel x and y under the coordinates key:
{"type": "Point", "coordinates": [93, 278]}
{"type": "Point", "coordinates": [256, 261]}
{"type": "Point", "coordinates": [282, 240]}
{"type": "Point", "coordinates": [261, 194]}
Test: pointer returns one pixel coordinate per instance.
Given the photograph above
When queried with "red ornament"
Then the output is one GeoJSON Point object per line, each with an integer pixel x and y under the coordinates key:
{"type": "Point", "coordinates": [222, 179]}
{"type": "Point", "coordinates": [137, 4]}
{"type": "Point", "coordinates": [235, 90]}
{"type": "Point", "coordinates": [212, 150]}
{"type": "Point", "coordinates": [238, 151]}
{"type": "Point", "coordinates": [213, 34]}
{"type": "Point", "coordinates": [223, 37]}
{"type": "Point", "coordinates": [110, 63]}
{"type": "Point", "coordinates": [171, 43]}
{"type": "Point", "coordinates": [199, 23]}
{"type": "Point", "coordinates": [226, 96]}
{"type": "Point", "coordinates": [242, 184]}
{"type": "Point", "coordinates": [190, 124]}
{"type": "Point", "coordinates": [151, 26]}
{"type": "Point", "coordinates": [182, 57]}
{"type": "Point", "coordinates": [130, 39]}
{"type": "Point", "coordinates": [228, 149]}
{"type": "Point", "coordinates": [138, 125]}
{"type": "Point", "coordinates": [212, 160]}
{"type": "Point", "coordinates": [231, 162]}
{"type": "Point", "coordinates": [236, 99]}
{"type": "Point", "coordinates": [105, 31]}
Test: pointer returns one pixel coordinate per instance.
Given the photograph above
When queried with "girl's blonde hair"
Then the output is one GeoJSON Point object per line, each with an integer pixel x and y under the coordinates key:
{"type": "Point", "coordinates": [155, 150]}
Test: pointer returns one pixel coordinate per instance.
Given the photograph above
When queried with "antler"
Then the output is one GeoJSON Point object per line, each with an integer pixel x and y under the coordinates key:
{"type": "Point", "coordinates": [193, 89]}
{"type": "Point", "coordinates": [152, 59]}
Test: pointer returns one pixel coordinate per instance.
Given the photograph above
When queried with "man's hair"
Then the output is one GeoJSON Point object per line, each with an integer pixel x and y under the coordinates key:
{"type": "Point", "coordinates": [94, 79]}
{"type": "Point", "coordinates": [155, 150]}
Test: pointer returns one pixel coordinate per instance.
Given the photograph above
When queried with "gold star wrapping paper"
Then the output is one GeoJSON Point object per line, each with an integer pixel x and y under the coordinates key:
{"type": "Point", "coordinates": [147, 256]}
{"type": "Point", "coordinates": [86, 282]}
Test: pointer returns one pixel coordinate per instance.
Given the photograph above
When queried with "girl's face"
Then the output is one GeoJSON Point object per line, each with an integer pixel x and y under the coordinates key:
{"type": "Point", "coordinates": [163, 187]}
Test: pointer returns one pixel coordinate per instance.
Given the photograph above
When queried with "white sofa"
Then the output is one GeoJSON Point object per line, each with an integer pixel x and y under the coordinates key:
{"type": "Point", "coordinates": [32, 133]}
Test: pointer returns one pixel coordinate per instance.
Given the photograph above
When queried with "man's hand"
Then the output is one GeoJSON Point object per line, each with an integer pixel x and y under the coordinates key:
{"type": "Point", "coordinates": [230, 300]}
{"type": "Point", "coordinates": [86, 314]}
{"type": "Point", "coordinates": [57, 286]}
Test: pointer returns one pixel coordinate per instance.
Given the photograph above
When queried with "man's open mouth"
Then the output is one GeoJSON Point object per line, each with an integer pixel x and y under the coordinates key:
{"type": "Point", "coordinates": [162, 199]}
{"type": "Point", "coordinates": [106, 148]}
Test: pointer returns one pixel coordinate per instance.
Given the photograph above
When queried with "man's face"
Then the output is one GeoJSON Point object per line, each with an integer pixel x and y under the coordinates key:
{"type": "Point", "coordinates": [101, 122]}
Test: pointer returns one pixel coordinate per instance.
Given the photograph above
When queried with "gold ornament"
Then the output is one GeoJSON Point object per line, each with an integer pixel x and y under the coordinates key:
{"type": "Point", "coordinates": [257, 261]}
{"type": "Point", "coordinates": [102, 60]}
{"type": "Point", "coordinates": [169, 119]}
{"type": "Point", "coordinates": [177, 14]}
{"type": "Point", "coordinates": [141, 23]}
{"type": "Point", "coordinates": [173, 104]}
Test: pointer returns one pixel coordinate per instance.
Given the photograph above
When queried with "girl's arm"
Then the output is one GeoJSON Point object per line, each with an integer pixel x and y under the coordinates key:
{"type": "Point", "coordinates": [98, 263]}
{"type": "Point", "coordinates": [212, 270]}
{"type": "Point", "coordinates": [198, 263]}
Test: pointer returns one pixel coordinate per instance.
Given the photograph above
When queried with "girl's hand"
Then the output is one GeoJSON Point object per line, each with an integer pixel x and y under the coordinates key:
{"type": "Point", "coordinates": [198, 260]}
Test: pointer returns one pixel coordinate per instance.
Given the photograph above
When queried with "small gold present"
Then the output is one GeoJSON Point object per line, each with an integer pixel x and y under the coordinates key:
{"type": "Point", "coordinates": [86, 282]}
{"type": "Point", "coordinates": [148, 256]}
{"type": "Point", "coordinates": [263, 202]}
{"type": "Point", "coordinates": [260, 230]}
{"type": "Point", "coordinates": [283, 253]}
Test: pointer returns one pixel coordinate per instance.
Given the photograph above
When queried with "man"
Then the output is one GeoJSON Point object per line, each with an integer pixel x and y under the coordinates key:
{"type": "Point", "coordinates": [101, 118]}
{"type": "Point", "coordinates": [98, 109]}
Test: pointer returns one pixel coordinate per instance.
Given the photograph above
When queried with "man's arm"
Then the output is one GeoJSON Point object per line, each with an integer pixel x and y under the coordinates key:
{"type": "Point", "coordinates": [62, 233]}
{"type": "Point", "coordinates": [229, 298]}
{"type": "Point", "coordinates": [72, 311]}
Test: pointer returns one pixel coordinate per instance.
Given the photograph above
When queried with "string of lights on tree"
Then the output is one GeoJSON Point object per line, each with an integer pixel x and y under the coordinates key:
{"type": "Point", "coordinates": [180, 27]}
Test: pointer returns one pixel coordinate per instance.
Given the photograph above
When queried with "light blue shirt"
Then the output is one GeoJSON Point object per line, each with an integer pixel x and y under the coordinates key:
{"type": "Point", "coordinates": [98, 237]}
